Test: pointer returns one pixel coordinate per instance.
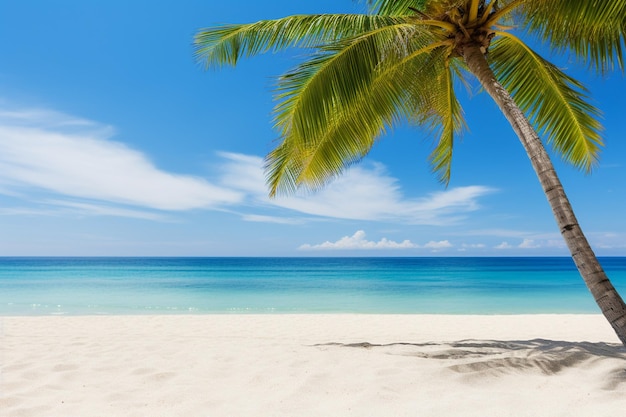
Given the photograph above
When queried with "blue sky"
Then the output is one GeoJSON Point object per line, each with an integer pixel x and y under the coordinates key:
{"type": "Point", "coordinates": [114, 141]}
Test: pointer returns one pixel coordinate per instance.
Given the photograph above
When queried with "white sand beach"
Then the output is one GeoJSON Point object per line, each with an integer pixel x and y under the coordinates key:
{"type": "Point", "coordinates": [311, 365]}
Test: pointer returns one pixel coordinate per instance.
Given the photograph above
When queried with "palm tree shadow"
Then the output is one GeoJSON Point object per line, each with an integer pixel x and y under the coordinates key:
{"type": "Point", "coordinates": [496, 358]}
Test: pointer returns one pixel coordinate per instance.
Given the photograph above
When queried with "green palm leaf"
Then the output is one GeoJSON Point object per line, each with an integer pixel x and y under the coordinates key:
{"type": "Point", "coordinates": [448, 121]}
{"type": "Point", "coordinates": [224, 45]}
{"type": "Point", "coordinates": [396, 7]}
{"type": "Point", "coordinates": [328, 83]}
{"type": "Point", "coordinates": [556, 103]}
{"type": "Point", "coordinates": [593, 29]}
{"type": "Point", "coordinates": [333, 109]}
{"type": "Point", "coordinates": [283, 166]}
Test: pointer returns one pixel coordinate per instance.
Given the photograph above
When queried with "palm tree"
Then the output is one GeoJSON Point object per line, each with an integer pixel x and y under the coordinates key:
{"type": "Point", "coordinates": [402, 62]}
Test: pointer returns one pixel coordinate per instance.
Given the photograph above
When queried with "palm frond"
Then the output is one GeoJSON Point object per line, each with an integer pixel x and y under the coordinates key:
{"type": "Point", "coordinates": [353, 131]}
{"type": "Point", "coordinates": [226, 44]}
{"type": "Point", "coordinates": [324, 147]}
{"type": "Point", "coordinates": [448, 120]}
{"type": "Point", "coordinates": [396, 7]}
{"type": "Point", "coordinates": [594, 30]}
{"type": "Point", "coordinates": [330, 81]}
{"type": "Point", "coordinates": [556, 104]}
{"type": "Point", "coordinates": [282, 167]}
{"type": "Point", "coordinates": [503, 12]}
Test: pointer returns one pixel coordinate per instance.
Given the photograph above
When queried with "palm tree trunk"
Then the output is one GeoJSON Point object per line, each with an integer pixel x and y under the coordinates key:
{"type": "Point", "coordinates": [607, 298]}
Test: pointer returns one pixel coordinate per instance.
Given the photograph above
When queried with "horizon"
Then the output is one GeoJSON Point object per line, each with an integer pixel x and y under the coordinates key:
{"type": "Point", "coordinates": [114, 142]}
{"type": "Point", "coordinates": [4, 257]}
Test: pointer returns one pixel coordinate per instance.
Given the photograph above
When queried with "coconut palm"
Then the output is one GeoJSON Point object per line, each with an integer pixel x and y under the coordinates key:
{"type": "Point", "coordinates": [402, 61]}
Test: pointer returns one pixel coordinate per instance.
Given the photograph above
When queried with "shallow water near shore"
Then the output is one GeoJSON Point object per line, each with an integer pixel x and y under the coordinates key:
{"type": "Point", "coordinates": [115, 286]}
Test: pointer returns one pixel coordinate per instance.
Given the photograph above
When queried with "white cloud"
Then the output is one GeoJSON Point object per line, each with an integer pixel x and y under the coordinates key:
{"type": "Point", "coordinates": [362, 193]}
{"type": "Point", "coordinates": [473, 245]}
{"type": "Point", "coordinates": [358, 241]}
{"type": "Point", "coordinates": [47, 151]}
{"type": "Point", "coordinates": [504, 233]}
{"type": "Point", "coordinates": [470, 246]}
{"type": "Point", "coordinates": [103, 210]}
{"type": "Point", "coordinates": [606, 240]}
{"type": "Point", "coordinates": [442, 244]}
{"type": "Point", "coordinates": [270, 219]}
{"type": "Point", "coordinates": [44, 119]}
{"type": "Point", "coordinates": [528, 244]}
{"type": "Point", "coordinates": [53, 159]}
{"type": "Point", "coordinates": [245, 173]}
{"type": "Point", "coordinates": [503, 245]}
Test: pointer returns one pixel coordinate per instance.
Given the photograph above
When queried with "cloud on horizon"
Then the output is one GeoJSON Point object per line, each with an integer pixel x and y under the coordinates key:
{"type": "Point", "coordinates": [358, 242]}
{"type": "Point", "coordinates": [533, 244]}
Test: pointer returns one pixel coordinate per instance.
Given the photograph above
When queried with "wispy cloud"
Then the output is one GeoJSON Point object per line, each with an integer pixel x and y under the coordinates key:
{"type": "Point", "coordinates": [362, 193]}
{"type": "Point", "coordinates": [608, 240]}
{"type": "Point", "coordinates": [528, 244]}
{"type": "Point", "coordinates": [66, 156]}
{"type": "Point", "coordinates": [72, 165]}
{"type": "Point", "coordinates": [533, 244]}
{"type": "Point", "coordinates": [509, 233]}
{"type": "Point", "coordinates": [270, 219]}
{"type": "Point", "coordinates": [80, 208]}
{"type": "Point", "coordinates": [466, 246]}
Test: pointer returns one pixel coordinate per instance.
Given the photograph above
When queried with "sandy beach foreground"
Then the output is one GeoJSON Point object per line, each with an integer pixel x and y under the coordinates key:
{"type": "Point", "coordinates": [311, 365]}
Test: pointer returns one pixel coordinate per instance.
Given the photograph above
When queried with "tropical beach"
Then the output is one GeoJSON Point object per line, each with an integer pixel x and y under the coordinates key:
{"type": "Point", "coordinates": [305, 365]}
{"type": "Point", "coordinates": [175, 242]}
{"type": "Point", "coordinates": [297, 337]}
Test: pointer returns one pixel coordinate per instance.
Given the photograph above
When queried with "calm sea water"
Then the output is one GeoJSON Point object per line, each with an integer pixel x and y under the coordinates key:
{"type": "Point", "coordinates": [44, 286]}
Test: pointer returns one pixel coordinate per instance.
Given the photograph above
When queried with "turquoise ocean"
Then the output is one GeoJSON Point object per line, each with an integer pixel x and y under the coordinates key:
{"type": "Point", "coordinates": [438, 285]}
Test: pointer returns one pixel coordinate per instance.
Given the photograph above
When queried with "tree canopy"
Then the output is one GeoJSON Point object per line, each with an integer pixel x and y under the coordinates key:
{"type": "Point", "coordinates": [401, 62]}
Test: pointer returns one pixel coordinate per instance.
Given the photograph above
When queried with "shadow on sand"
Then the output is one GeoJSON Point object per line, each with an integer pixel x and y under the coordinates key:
{"type": "Point", "coordinates": [496, 358]}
